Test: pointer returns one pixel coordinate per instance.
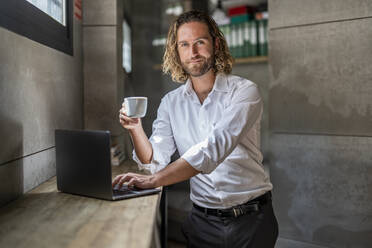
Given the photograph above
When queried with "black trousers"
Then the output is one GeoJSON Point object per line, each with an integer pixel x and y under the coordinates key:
{"type": "Point", "coordinates": [254, 230]}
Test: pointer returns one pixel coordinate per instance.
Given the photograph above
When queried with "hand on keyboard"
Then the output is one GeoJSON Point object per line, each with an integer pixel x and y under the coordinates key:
{"type": "Point", "coordinates": [125, 188]}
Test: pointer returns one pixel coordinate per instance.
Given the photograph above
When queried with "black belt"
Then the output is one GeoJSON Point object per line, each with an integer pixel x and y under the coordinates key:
{"type": "Point", "coordinates": [245, 208]}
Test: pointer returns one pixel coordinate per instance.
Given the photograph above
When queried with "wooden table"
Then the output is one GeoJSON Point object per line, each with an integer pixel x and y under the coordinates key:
{"type": "Point", "coordinates": [45, 217]}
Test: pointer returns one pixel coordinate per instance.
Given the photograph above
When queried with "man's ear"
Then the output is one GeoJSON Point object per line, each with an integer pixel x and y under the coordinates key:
{"type": "Point", "coordinates": [216, 43]}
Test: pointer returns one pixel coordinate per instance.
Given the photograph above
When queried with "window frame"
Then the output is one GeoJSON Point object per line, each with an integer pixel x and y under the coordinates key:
{"type": "Point", "coordinates": [24, 18]}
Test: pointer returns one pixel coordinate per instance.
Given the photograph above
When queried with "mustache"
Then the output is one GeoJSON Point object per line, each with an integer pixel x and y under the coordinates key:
{"type": "Point", "coordinates": [197, 57]}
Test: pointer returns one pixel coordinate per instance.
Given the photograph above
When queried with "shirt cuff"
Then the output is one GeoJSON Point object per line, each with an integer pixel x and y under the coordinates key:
{"type": "Point", "coordinates": [152, 167]}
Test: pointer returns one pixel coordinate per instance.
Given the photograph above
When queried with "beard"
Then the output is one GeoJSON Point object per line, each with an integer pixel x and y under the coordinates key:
{"type": "Point", "coordinates": [200, 68]}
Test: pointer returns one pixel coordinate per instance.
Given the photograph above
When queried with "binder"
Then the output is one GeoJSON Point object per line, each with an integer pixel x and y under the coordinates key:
{"type": "Point", "coordinates": [227, 33]}
{"type": "Point", "coordinates": [247, 36]}
{"type": "Point", "coordinates": [240, 40]}
{"type": "Point", "coordinates": [253, 38]}
{"type": "Point", "coordinates": [246, 40]}
{"type": "Point", "coordinates": [261, 37]}
{"type": "Point", "coordinates": [226, 30]}
{"type": "Point", "coordinates": [266, 34]}
{"type": "Point", "coordinates": [234, 41]}
{"type": "Point", "coordinates": [239, 18]}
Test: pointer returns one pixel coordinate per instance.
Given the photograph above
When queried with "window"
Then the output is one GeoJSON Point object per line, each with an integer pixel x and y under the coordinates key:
{"type": "Point", "coordinates": [54, 8]}
{"type": "Point", "coordinates": [48, 22]}
{"type": "Point", "coordinates": [127, 48]}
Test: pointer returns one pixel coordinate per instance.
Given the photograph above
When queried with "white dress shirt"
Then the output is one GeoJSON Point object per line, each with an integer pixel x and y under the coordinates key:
{"type": "Point", "coordinates": [220, 138]}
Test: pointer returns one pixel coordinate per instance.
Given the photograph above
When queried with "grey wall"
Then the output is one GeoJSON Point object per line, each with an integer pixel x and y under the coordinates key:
{"type": "Point", "coordinates": [103, 71]}
{"type": "Point", "coordinates": [331, 53]}
{"type": "Point", "coordinates": [320, 113]}
{"type": "Point", "coordinates": [40, 90]}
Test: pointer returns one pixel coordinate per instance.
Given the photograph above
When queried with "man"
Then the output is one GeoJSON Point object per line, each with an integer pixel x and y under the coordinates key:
{"type": "Point", "coordinates": [213, 120]}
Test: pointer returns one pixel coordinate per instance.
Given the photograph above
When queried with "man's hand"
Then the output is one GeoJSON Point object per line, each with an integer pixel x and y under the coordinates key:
{"type": "Point", "coordinates": [142, 145]}
{"type": "Point", "coordinates": [127, 122]}
{"type": "Point", "coordinates": [175, 172]}
{"type": "Point", "coordinates": [133, 179]}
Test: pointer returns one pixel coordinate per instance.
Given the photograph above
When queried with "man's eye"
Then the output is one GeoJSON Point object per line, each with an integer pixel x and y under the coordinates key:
{"type": "Point", "coordinates": [200, 42]}
{"type": "Point", "coordinates": [183, 44]}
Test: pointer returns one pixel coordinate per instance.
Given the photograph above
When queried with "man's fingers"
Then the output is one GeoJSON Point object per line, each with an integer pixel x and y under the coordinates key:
{"type": "Point", "coordinates": [133, 181]}
{"type": "Point", "coordinates": [119, 180]}
{"type": "Point", "coordinates": [122, 111]}
{"type": "Point", "coordinates": [139, 181]}
{"type": "Point", "coordinates": [116, 180]}
{"type": "Point", "coordinates": [125, 178]}
{"type": "Point", "coordinates": [127, 119]}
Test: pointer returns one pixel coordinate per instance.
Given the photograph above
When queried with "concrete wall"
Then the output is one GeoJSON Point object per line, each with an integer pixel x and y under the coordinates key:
{"type": "Point", "coordinates": [320, 114]}
{"type": "Point", "coordinates": [103, 71]}
{"type": "Point", "coordinates": [40, 90]}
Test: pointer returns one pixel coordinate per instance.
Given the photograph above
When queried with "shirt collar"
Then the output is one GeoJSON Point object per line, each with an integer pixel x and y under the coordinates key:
{"type": "Point", "coordinates": [188, 87]}
{"type": "Point", "coordinates": [220, 84]}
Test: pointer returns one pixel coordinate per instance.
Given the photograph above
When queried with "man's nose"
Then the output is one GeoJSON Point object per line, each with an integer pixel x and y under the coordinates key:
{"type": "Point", "coordinates": [194, 50]}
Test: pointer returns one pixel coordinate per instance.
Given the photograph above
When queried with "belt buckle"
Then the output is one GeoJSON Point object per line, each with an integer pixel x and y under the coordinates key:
{"type": "Point", "coordinates": [237, 211]}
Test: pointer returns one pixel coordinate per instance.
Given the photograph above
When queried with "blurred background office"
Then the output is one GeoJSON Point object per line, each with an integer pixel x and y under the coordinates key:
{"type": "Point", "coordinates": [311, 60]}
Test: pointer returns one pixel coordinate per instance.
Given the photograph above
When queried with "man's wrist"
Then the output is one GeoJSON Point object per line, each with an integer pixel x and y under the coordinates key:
{"type": "Point", "coordinates": [155, 179]}
{"type": "Point", "coordinates": [134, 131]}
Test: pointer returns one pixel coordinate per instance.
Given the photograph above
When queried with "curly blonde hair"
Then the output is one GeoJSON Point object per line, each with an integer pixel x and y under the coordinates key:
{"type": "Point", "coordinates": [171, 62]}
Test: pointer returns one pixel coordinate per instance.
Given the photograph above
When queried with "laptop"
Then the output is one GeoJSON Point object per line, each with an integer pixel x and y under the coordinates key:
{"type": "Point", "coordinates": [83, 162]}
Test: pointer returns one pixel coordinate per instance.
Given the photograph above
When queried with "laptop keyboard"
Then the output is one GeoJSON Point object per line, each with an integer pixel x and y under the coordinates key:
{"type": "Point", "coordinates": [125, 190]}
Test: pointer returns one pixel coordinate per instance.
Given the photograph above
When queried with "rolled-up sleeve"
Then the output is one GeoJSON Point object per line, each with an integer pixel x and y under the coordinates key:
{"type": "Point", "coordinates": [162, 141]}
{"type": "Point", "coordinates": [238, 118]}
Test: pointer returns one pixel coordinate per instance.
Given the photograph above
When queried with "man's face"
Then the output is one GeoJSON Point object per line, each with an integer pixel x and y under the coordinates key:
{"type": "Point", "coordinates": [195, 48]}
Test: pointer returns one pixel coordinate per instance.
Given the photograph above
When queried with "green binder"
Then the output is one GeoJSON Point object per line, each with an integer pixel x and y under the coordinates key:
{"type": "Point", "coordinates": [262, 37]}
{"type": "Point", "coordinates": [247, 39]}
{"type": "Point", "coordinates": [240, 40]}
{"type": "Point", "coordinates": [253, 37]}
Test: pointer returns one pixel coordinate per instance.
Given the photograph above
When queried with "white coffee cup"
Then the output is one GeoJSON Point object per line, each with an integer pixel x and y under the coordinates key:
{"type": "Point", "coordinates": [135, 106]}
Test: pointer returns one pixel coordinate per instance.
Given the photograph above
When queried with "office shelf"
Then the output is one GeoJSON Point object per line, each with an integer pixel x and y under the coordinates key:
{"type": "Point", "coordinates": [251, 60]}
